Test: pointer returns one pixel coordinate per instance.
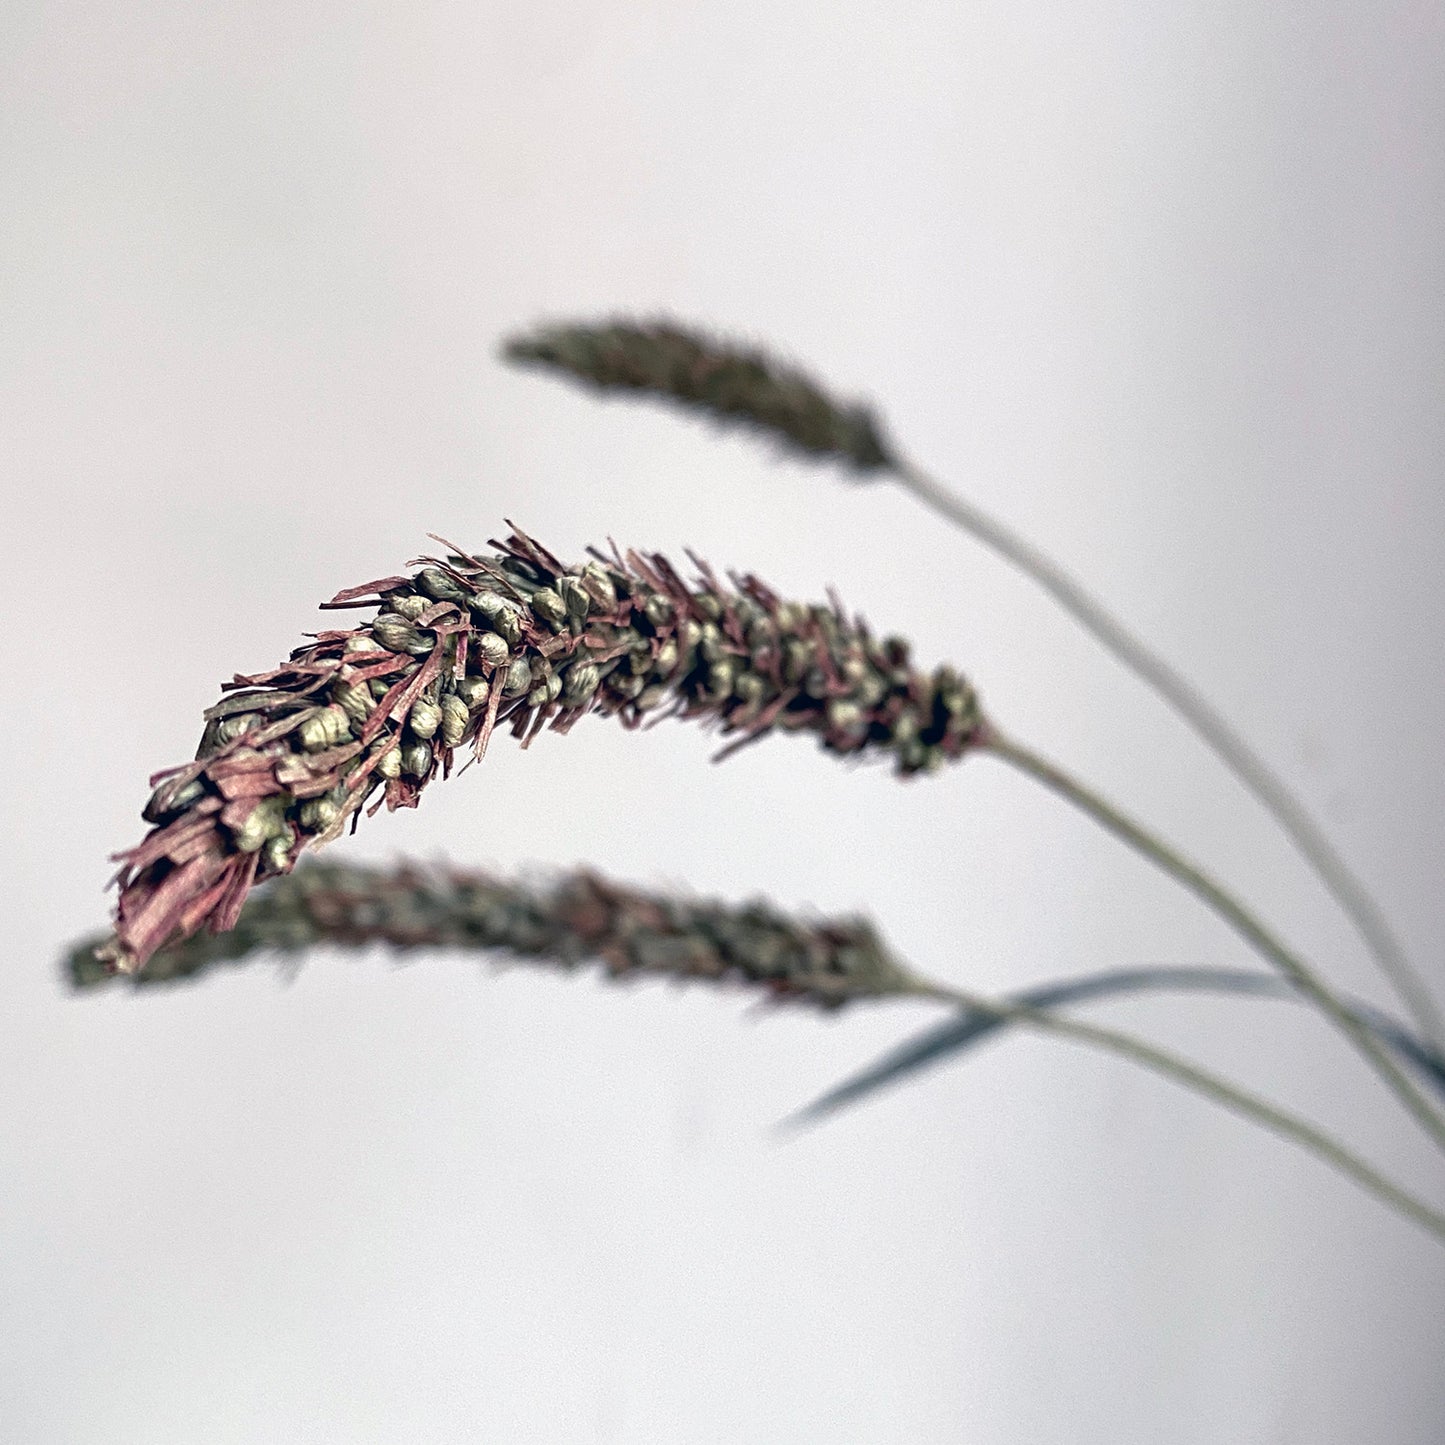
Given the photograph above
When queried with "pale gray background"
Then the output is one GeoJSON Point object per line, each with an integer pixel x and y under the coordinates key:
{"type": "Point", "coordinates": [1159, 283]}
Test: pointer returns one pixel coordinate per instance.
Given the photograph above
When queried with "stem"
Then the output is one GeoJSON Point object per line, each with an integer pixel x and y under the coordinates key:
{"type": "Point", "coordinates": [1227, 907]}
{"type": "Point", "coordinates": [1211, 1086]}
{"type": "Point", "coordinates": [1236, 754]}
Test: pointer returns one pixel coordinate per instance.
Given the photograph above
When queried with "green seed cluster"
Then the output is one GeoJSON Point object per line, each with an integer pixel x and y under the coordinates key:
{"type": "Point", "coordinates": [731, 384]}
{"type": "Point", "coordinates": [580, 918]}
{"type": "Point", "coordinates": [466, 643]}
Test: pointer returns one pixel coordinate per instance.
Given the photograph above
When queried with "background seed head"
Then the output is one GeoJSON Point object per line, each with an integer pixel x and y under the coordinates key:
{"type": "Point", "coordinates": [730, 383]}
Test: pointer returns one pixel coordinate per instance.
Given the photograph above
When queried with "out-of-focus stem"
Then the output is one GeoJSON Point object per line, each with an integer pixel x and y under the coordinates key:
{"type": "Point", "coordinates": [1207, 723]}
{"type": "Point", "coordinates": [1218, 1090]}
{"type": "Point", "coordinates": [1227, 907]}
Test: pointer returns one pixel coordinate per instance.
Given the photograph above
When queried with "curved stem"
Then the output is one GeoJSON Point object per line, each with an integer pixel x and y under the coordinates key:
{"type": "Point", "coordinates": [1211, 1086]}
{"type": "Point", "coordinates": [1237, 755]}
{"type": "Point", "coordinates": [1223, 903]}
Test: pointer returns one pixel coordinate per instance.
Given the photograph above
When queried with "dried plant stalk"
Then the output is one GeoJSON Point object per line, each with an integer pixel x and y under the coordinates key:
{"type": "Point", "coordinates": [732, 384]}
{"type": "Point", "coordinates": [294, 754]}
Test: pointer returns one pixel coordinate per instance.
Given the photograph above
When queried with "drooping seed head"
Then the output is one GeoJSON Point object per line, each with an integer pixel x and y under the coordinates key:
{"type": "Point", "coordinates": [276, 851]}
{"type": "Point", "coordinates": [324, 729]}
{"type": "Point", "coordinates": [582, 680]}
{"type": "Point", "coordinates": [233, 727]}
{"type": "Point", "coordinates": [600, 587]}
{"type": "Point", "coordinates": [338, 722]}
{"type": "Point", "coordinates": [500, 615]}
{"type": "Point", "coordinates": [173, 796]}
{"type": "Point", "coordinates": [411, 606]}
{"type": "Point", "coordinates": [318, 814]}
{"type": "Point", "coordinates": [264, 821]}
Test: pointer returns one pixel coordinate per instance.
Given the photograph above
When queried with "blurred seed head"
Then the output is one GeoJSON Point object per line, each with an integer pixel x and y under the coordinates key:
{"type": "Point", "coordinates": [720, 379]}
{"type": "Point", "coordinates": [577, 918]}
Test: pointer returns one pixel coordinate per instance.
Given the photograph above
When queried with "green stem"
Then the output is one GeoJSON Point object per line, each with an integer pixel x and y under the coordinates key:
{"type": "Point", "coordinates": [1245, 923]}
{"type": "Point", "coordinates": [1211, 1086]}
{"type": "Point", "coordinates": [1237, 755]}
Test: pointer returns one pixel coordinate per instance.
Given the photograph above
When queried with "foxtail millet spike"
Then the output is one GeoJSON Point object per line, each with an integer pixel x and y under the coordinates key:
{"type": "Point", "coordinates": [376, 711]}
{"type": "Point", "coordinates": [573, 919]}
{"type": "Point", "coordinates": [734, 385]}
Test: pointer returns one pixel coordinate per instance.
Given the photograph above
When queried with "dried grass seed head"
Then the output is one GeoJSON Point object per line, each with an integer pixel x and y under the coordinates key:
{"type": "Point", "coordinates": [575, 919]}
{"type": "Point", "coordinates": [731, 383]}
{"type": "Point", "coordinates": [371, 714]}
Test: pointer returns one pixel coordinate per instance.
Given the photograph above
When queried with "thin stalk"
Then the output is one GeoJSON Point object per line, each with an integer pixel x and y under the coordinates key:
{"type": "Point", "coordinates": [1236, 754]}
{"type": "Point", "coordinates": [968, 1030]}
{"type": "Point", "coordinates": [1218, 1090]}
{"type": "Point", "coordinates": [1227, 907]}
